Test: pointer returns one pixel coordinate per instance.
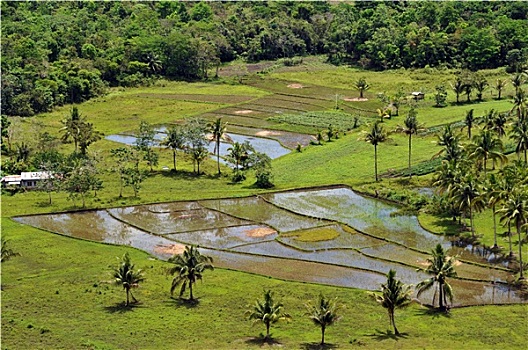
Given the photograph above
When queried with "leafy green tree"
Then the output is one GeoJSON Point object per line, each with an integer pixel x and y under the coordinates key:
{"type": "Point", "coordinates": [267, 311]}
{"type": "Point", "coordinates": [324, 313]}
{"type": "Point", "coordinates": [515, 210]}
{"type": "Point", "coordinates": [237, 156]}
{"type": "Point", "coordinates": [218, 131]}
{"type": "Point", "coordinates": [376, 136]}
{"type": "Point", "coordinates": [175, 140]}
{"type": "Point", "coordinates": [121, 156]}
{"type": "Point", "coordinates": [6, 252]}
{"type": "Point", "coordinates": [87, 136]}
{"type": "Point", "coordinates": [394, 295]}
{"type": "Point", "coordinates": [261, 164]}
{"type": "Point", "coordinates": [145, 141]}
{"type": "Point", "coordinates": [4, 126]}
{"type": "Point", "coordinates": [125, 275]}
{"type": "Point", "coordinates": [458, 87]}
{"type": "Point", "coordinates": [440, 96]}
{"type": "Point", "coordinates": [195, 135]}
{"type": "Point", "coordinates": [361, 85]}
{"type": "Point", "coordinates": [441, 268]}
{"type": "Point", "coordinates": [410, 127]}
{"type": "Point", "coordinates": [481, 84]}
{"type": "Point", "coordinates": [79, 180]}
{"type": "Point", "coordinates": [51, 182]}
{"type": "Point", "coordinates": [188, 268]}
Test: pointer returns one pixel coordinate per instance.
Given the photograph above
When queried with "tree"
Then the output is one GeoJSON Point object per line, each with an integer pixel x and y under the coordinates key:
{"type": "Point", "coordinates": [484, 147]}
{"type": "Point", "coordinates": [519, 103]}
{"type": "Point", "coordinates": [410, 127]}
{"type": "Point", "coordinates": [458, 87]}
{"type": "Point", "coordinates": [72, 127]}
{"type": "Point", "coordinates": [218, 129]}
{"type": "Point", "coordinates": [121, 157]}
{"type": "Point", "coordinates": [79, 180]}
{"type": "Point", "coordinates": [237, 156]}
{"type": "Point", "coordinates": [145, 143]}
{"type": "Point", "coordinates": [51, 181]}
{"type": "Point", "coordinates": [394, 295]}
{"type": "Point", "coordinates": [87, 136]}
{"type": "Point", "coordinates": [376, 136]}
{"type": "Point", "coordinates": [175, 140]}
{"type": "Point", "coordinates": [361, 85]}
{"type": "Point", "coordinates": [126, 276]}
{"type": "Point", "coordinates": [267, 311]}
{"type": "Point", "coordinates": [195, 132]}
{"type": "Point", "coordinates": [480, 83]}
{"type": "Point", "coordinates": [261, 163]}
{"type": "Point", "coordinates": [188, 268]}
{"type": "Point", "coordinates": [519, 134]}
{"type": "Point", "coordinates": [452, 150]}
{"type": "Point", "coordinates": [467, 196]}
{"type": "Point", "coordinates": [515, 210]}
{"type": "Point", "coordinates": [469, 121]}
{"type": "Point", "coordinates": [199, 154]}
{"type": "Point", "coordinates": [4, 126]}
{"type": "Point", "coordinates": [500, 84]}
{"type": "Point", "coordinates": [7, 253]}
{"type": "Point", "coordinates": [440, 96]}
{"type": "Point", "coordinates": [440, 267]}
{"type": "Point", "coordinates": [324, 314]}
{"type": "Point", "coordinates": [518, 80]}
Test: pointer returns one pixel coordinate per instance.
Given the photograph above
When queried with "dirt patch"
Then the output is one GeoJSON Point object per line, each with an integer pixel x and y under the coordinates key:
{"type": "Point", "coordinates": [296, 86]}
{"type": "Point", "coordinates": [171, 249]}
{"type": "Point", "coordinates": [355, 99]}
{"type": "Point", "coordinates": [244, 111]}
{"type": "Point", "coordinates": [260, 232]}
{"type": "Point", "coordinates": [268, 133]}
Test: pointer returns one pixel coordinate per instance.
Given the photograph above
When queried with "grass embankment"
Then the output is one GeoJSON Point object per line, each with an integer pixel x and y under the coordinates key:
{"type": "Point", "coordinates": [59, 294]}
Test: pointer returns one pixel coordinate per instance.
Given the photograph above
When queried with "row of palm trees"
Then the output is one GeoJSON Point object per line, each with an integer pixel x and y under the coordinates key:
{"type": "Point", "coordinates": [324, 312]}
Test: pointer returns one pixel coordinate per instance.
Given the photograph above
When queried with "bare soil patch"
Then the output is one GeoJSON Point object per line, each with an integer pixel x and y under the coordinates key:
{"type": "Point", "coordinates": [296, 86]}
{"type": "Point", "coordinates": [171, 249]}
{"type": "Point", "coordinates": [355, 99]}
{"type": "Point", "coordinates": [268, 133]}
{"type": "Point", "coordinates": [260, 232]}
{"type": "Point", "coordinates": [244, 111]}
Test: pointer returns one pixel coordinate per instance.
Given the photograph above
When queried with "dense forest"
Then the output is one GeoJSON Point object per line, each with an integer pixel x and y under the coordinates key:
{"type": "Point", "coordinates": [62, 52]}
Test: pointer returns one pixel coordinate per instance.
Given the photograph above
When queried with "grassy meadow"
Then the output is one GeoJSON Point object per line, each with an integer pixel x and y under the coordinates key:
{"type": "Point", "coordinates": [59, 295]}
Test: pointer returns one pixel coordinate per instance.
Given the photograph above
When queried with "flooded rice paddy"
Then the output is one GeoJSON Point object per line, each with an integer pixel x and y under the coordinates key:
{"type": "Point", "coordinates": [276, 235]}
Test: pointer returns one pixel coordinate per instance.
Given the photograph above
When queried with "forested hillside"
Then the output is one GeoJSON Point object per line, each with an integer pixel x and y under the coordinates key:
{"type": "Point", "coordinates": [61, 52]}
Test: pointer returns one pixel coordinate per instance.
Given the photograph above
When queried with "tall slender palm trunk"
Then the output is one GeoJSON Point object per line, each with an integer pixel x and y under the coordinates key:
{"type": "Point", "coordinates": [520, 249]}
{"type": "Point", "coordinates": [410, 136]}
{"type": "Point", "coordinates": [376, 162]}
{"type": "Point", "coordinates": [494, 228]}
{"type": "Point", "coordinates": [323, 328]}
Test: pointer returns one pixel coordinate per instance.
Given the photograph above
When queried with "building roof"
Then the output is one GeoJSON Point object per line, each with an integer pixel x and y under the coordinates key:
{"type": "Point", "coordinates": [34, 175]}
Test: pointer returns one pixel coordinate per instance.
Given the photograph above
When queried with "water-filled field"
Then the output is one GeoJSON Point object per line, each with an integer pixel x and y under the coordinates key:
{"type": "Point", "coordinates": [332, 236]}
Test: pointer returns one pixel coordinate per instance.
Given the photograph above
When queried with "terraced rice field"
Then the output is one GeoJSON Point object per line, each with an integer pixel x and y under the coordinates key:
{"type": "Point", "coordinates": [331, 236]}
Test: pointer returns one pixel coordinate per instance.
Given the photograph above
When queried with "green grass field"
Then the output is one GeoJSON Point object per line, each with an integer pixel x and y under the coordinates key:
{"type": "Point", "coordinates": [58, 293]}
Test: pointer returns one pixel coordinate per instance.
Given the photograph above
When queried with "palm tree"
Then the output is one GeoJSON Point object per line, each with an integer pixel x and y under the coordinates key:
{"type": "Point", "coordinates": [199, 154]}
{"type": "Point", "coordinates": [468, 89]}
{"type": "Point", "coordinates": [485, 147]}
{"type": "Point", "coordinates": [458, 87]}
{"type": "Point", "coordinates": [175, 140]}
{"type": "Point", "coordinates": [267, 311]}
{"type": "Point", "coordinates": [518, 80]}
{"type": "Point", "coordinates": [154, 63]}
{"type": "Point", "coordinates": [480, 84]}
{"type": "Point", "coordinates": [376, 136]}
{"type": "Point", "coordinates": [452, 150]}
{"type": "Point", "coordinates": [410, 127]}
{"type": "Point", "coordinates": [7, 253]}
{"type": "Point", "coordinates": [469, 121]}
{"type": "Point", "coordinates": [361, 85]}
{"type": "Point", "coordinates": [126, 276]}
{"type": "Point", "coordinates": [217, 129]}
{"type": "Point", "coordinates": [323, 314]}
{"type": "Point", "coordinates": [515, 210]}
{"type": "Point", "coordinates": [394, 295]}
{"type": "Point", "coordinates": [466, 194]}
{"type": "Point", "coordinates": [72, 127]}
{"type": "Point", "coordinates": [499, 124]}
{"type": "Point", "coordinates": [500, 84]}
{"type": "Point", "coordinates": [188, 268]}
{"type": "Point", "coordinates": [519, 134]}
{"type": "Point", "coordinates": [440, 267]}
{"type": "Point", "coordinates": [519, 103]}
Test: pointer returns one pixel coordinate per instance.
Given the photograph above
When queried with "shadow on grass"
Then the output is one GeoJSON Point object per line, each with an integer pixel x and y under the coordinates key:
{"type": "Point", "coordinates": [121, 308]}
{"type": "Point", "coordinates": [182, 302]}
{"type": "Point", "coordinates": [261, 340]}
{"type": "Point", "coordinates": [428, 310]}
{"type": "Point", "coordinates": [384, 335]}
{"type": "Point", "coordinates": [187, 175]}
{"type": "Point", "coordinates": [318, 346]}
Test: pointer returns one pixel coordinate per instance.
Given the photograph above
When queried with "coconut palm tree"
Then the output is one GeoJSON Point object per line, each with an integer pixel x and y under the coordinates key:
{"type": "Point", "coordinates": [481, 85]}
{"type": "Point", "coordinates": [484, 147]}
{"type": "Point", "coordinates": [376, 136]}
{"type": "Point", "coordinates": [452, 150]}
{"type": "Point", "coordinates": [468, 122]}
{"type": "Point", "coordinates": [519, 134]}
{"type": "Point", "coordinates": [410, 127]}
{"type": "Point", "coordinates": [267, 311]}
{"type": "Point", "coordinates": [188, 268]}
{"type": "Point", "coordinates": [217, 130]}
{"type": "Point", "coordinates": [394, 295]}
{"type": "Point", "coordinates": [467, 195]}
{"type": "Point", "coordinates": [175, 140]}
{"type": "Point", "coordinates": [515, 211]}
{"type": "Point", "coordinates": [126, 276]}
{"type": "Point", "coordinates": [458, 87]}
{"type": "Point", "coordinates": [500, 84]}
{"type": "Point", "coordinates": [72, 127]}
{"type": "Point", "coordinates": [519, 103]}
{"type": "Point", "coordinates": [323, 314]}
{"type": "Point", "coordinates": [440, 267]}
{"type": "Point", "coordinates": [518, 80]}
{"type": "Point", "coordinates": [361, 85]}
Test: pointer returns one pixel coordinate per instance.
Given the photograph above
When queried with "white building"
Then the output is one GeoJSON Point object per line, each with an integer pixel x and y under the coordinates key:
{"type": "Point", "coordinates": [27, 180]}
